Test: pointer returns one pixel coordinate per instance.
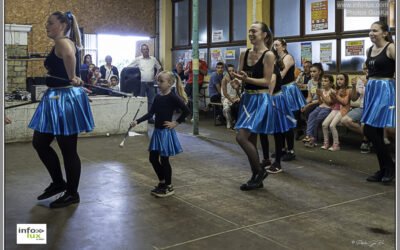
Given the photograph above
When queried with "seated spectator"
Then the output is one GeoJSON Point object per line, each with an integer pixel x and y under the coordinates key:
{"type": "Point", "coordinates": [304, 77]}
{"type": "Point", "coordinates": [326, 99]}
{"type": "Point", "coordinates": [108, 70]}
{"type": "Point", "coordinates": [214, 87]}
{"type": "Point", "coordinates": [87, 60]}
{"type": "Point", "coordinates": [97, 80]}
{"type": "Point", "coordinates": [180, 72]}
{"type": "Point", "coordinates": [353, 118]}
{"type": "Point", "coordinates": [230, 98]}
{"type": "Point", "coordinates": [340, 108]}
{"type": "Point", "coordinates": [189, 83]}
{"type": "Point", "coordinates": [312, 86]}
{"type": "Point", "coordinates": [90, 73]}
{"type": "Point", "coordinates": [113, 84]}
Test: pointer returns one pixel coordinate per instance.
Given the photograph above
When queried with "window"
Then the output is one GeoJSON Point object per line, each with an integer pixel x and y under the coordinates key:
{"type": "Point", "coordinates": [354, 53]}
{"type": "Point", "coordinates": [352, 14]}
{"type": "Point", "coordinates": [220, 21]}
{"type": "Point", "coordinates": [181, 24]}
{"type": "Point", "coordinates": [202, 21]}
{"type": "Point", "coordinates": [284, 26]}
{"type": "Point", "coordinates": [90, 41]}
{"type": "Point", "coordinates": [239, 20]}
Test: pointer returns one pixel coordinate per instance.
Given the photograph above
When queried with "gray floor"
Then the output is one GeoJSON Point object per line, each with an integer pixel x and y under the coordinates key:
{"type": "Point", "coordinates": [320, 201]}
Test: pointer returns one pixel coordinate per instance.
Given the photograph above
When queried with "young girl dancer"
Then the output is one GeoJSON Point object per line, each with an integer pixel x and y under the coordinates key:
{"type": "Point", "coordinates": [65, 117]}
{"type": "Point", "coordinates": [379, 97]}
{"type": "Point", "coordinates": [255, 113]}
{"type": "Point", "coordinates": [164, 142]}
{"type": "Point", "coordinates": [291, 92]}
{"type": "Point", "coordinates": [326, 100]}
{"type": "Point", "coordinates": [339, 109]}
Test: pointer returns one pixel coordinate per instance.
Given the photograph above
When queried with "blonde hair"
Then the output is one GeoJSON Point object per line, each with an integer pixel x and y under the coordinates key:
{"type": "Point", "coordinates": [179, 85]}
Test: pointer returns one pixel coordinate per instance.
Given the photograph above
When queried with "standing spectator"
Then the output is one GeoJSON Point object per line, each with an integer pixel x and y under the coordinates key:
{"type": "Point", "coordinates": [87, 60]}
{"type": "Point", "coordinates": [353, 118]}
{"type": "Point", "coordinates": [108, 70]}
{"type": "Point", "coordinates": [147, 64]}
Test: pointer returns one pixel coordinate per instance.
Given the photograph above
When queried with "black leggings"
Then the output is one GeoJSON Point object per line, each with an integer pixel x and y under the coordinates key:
{"type": "Point", "coordinates": [265, 145]}
{"type": "Point", "coordinates": [279, 139]}
{"type": "Point", "coordinates": [289, 136]}
{"type": "Point", "coordinates": [375, 135]}
{"type": "Point", "coordinates": [72, 164]}
{"type": "Point", "coordinates": [163, 169]}
{"type": "Point", "coordinates": [248, 142]}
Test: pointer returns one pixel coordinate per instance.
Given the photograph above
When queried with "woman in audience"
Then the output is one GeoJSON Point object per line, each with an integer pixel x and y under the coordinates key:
{"type": "Point", "coordinates": [339, 109]}
{"type": "Point", "coordinates": [379, 97]}
{"type": "Point", "coordinates": [87, 60]}
{"type": "Point", "coordinates": [108, 70]}
{"type": "Point", "coordinates": [326, 98]}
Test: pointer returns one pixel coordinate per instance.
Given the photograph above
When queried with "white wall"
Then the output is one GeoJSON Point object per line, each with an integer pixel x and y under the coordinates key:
{"type": "Point", "coordinates": [107, 112]}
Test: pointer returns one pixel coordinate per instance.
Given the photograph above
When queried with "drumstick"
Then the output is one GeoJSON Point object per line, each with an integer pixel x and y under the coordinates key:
{"type": "Point", "coordinates": [247, 113]}
{"type": "Point", "coordinates": [27, 103]}
{"type": "Point", "coordinates": [130, 127]}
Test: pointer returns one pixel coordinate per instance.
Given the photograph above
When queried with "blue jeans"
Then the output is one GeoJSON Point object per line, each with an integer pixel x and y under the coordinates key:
{"type": "Point", "coordinates": [316, 117]}
{"type": "Point", "coordinates": [147, 89]}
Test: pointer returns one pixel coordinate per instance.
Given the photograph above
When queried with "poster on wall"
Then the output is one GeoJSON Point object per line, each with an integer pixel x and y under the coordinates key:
{"type": "Point", "coordinates": [202, 55]}
{"type": "Point", "coordinates": [229, 54]}
{"type": "Point", "coordinates": [326, 52]}
{"type": "Point", "coordinates": [354, 48]}
{"type": "Point", "coordinates": [319, 16]}
{"type": "Point", "coordinates": [306, 52]}
{"type": "Point", "coordinates": [217, 35]}
{"type": "Point", "coordinates": [216, 56]}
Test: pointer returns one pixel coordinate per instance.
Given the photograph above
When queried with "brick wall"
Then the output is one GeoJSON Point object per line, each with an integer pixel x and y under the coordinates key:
{"type": "Point", "coordinates": [16, 69]}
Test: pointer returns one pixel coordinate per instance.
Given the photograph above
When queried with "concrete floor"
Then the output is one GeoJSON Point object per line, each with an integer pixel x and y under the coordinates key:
{"type": "Point", "coordinates": [320, 201]}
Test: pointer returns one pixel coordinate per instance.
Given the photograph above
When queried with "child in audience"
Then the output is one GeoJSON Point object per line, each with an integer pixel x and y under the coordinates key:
{"type": "Point", "coordinates": [326, 99]}
{"type": "Point", "coordinates": [113, 84]}
{"type": "Point", "coordinates": [340, 108]}
{"type": "Point", "coordinates": [230, 95]}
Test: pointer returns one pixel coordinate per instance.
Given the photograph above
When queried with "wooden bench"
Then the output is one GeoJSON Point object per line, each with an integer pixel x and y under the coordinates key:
{"type": "Point", "coordinates": [214, 106]}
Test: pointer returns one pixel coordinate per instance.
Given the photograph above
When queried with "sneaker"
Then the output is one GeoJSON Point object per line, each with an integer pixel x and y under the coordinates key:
{"type": "Point", "coordinates": [325, 146]}
{"type": "Point", "coordinates": [165, 191]}
{"type": "Point", "coordinates": [65, 200]}
{"type": "Point", "coordinates": [365, 148]}
{"type": "Point", "coordinates": [310, 144]}
{"type": "Point", "coordinates": [52, 190]}
{"type": "Point", "coordinates": [289, 156]}
{"type": "Point", "coordinates": [266, 163]}
{"type": "Point", "coordinates": [335, 147]}
{"type": "Point", "coordinates": [377, 177]}
{"type": "Point", "coordinates": [157, 188]}
{"type": "Point", "coordinates": [275, 168]}
{"type": "Point", "coordinates": [306, 139]}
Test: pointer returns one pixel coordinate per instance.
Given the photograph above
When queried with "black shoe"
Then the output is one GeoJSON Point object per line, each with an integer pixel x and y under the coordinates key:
{"type": "Point", "coordinates": [265, 163]}
{"type": "Point", "coordinates": [275, 168]}
{"type": "Point", "coordinates": [65, 200]}
{"type": "Point", "coordinates": [289, 156]}
{"type": "Point", "coordinates": [377, 177]}
{"type": "Point", "coordinates": [164, 191]}
{"type": "Point", "coordinates": [388, 175]}
{"type": "Point", "coordinates": [51, 190]}
{"type": "Point", "coordinates": [299, 134]}
{"type": "Point", "coordinates": [255, 182]}
{"type": "Point", "coordinates": [157, 188]}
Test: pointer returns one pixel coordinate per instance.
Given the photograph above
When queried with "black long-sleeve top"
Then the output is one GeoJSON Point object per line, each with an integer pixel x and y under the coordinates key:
{"type": "Point", "coordinates": [163, 107]}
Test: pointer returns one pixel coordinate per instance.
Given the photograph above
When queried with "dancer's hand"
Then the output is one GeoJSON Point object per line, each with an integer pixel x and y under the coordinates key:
{"type": "Point", "coordinates": [170, 125]}
{"type": "Point", "coordinates": [133, 124]}
{"type": "Point", "coordinates": [240, 75]}
{"type": "Point", "coordinates": [76, 81]}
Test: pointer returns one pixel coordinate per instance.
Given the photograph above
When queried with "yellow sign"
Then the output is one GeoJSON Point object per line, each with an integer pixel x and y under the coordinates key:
{"type": "Point", "coordinates": [319, 16]}
{"type": "Point", "coordinates": [195, 64]}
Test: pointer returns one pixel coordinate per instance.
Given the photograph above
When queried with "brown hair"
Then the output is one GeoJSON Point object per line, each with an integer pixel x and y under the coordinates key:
{"type": "Point", "coordinates": [385, 27]}
{"type": "Point", "coordinates": [72, 26]}
{"type": "Point", "coordinates": [270, 37]}
{"type": "Point", "coordinates": [321, 69]}
{"type": "Point", "coordinates": [346, 81]}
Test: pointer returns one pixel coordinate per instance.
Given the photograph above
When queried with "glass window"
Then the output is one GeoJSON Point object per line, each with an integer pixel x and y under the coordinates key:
{"type": "Point", "coordinates": [229, 55]}
{"type": "Point", "coordinates": [359, 15]}
{"type": "Point", "coordinates": [90, 41]}
{"type": "Point", "coordinates": [239, 20]}
{"type": "Point", "coordinates": [181, 21]}
{"type": "Point", "coordinates": [220, 21]}
{"type": "Point", "coordinates": [320, 16]}
{"type": "Point", "coordinates": [202, 21]}
{"type": "Point", "coordinates": [327, 56]}
{"type": "Point", "coordinates": [354, 53]}
{"type": "Point", "coordinates": [184, 56]}
{"type": "Point", "coordinates": [283, 25]}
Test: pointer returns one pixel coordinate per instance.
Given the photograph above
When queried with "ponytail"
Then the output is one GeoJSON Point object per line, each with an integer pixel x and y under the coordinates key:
{"type": "Point", "coordinates": [321, 70]}
{"type": "Point", "coordinates": [72, 29]}
{"type": "Point", "coordinates": [270, 37]}
{"type": "Point", "coordinates": [179, 85]}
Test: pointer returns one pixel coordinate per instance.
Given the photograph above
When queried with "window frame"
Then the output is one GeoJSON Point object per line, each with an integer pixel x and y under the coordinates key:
{"type": "Point", "coordinates": [209, 43]}
{"type": "Point", "coordinates": [338, 35]}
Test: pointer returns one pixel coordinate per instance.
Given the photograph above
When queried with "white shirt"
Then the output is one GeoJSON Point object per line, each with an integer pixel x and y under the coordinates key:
{"type": "Point", "coordinates": [109, 73]}
{"type": "Point", "coordinates": [360, 88]}
{"type": "Point", "coordinates": [146, 66]}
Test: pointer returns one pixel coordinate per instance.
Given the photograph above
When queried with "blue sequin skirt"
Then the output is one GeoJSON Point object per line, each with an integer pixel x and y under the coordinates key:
{"type": "Point", "coordinates": [379, 96]}
{"type": "Point", "coordinates": [68, 115]}
{"type": "Point", "coordinates": [294, 97]}
{"type": "Point", "coordinates": [165, 142]}
{"type": "Point", "coordinates": [282, 124]}
{"type": "Point", "coordinates": [259, 107]}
